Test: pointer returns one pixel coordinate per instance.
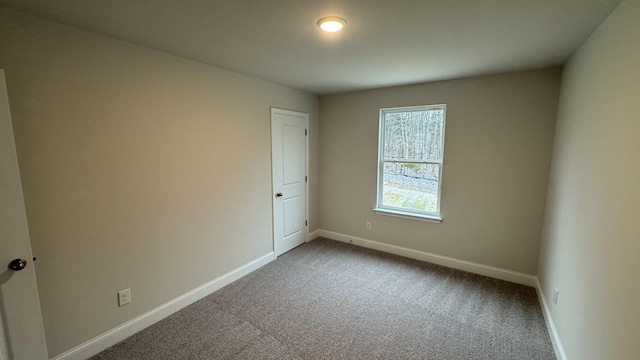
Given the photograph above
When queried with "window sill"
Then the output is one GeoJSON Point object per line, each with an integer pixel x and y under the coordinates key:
{"type": "Point", "coordinates": [408, 215]}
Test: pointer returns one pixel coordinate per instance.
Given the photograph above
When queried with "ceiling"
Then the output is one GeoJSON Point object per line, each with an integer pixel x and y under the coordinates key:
{"type": "Point", "coordinates": [385, 42]}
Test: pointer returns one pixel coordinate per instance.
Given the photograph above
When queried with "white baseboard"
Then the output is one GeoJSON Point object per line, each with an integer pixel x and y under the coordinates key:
{"type": "Point", "coordinates": [147, 319]}
{"type": "Point", "coordinates": [551, 327]}
{"type": "Point", "coordinates": [312, 235]}
{"type": "Point", "coordinates": [472, 267]}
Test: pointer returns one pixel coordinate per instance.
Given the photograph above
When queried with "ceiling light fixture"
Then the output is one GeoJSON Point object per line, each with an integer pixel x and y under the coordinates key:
{"type": "Point", "coordinates": [331, 23]}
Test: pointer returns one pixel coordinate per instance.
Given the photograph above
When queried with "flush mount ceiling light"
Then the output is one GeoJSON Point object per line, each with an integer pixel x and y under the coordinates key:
{"type": "Point", "coordinates": [331, 23]}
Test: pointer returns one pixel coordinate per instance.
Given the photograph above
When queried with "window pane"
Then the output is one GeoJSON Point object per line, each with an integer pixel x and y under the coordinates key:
{"type": "Point", "coordinates": [414, 135]}
{"type": "Point", "coordinates": [411, 186]}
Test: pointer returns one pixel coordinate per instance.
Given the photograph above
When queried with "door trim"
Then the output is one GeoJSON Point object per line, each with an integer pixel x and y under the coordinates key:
{"type": "Point", "coordinates": [274, 111]}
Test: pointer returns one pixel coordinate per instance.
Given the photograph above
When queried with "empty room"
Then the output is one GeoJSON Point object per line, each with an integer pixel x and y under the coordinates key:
{"type": "Point", "coordinates": [419, 179]}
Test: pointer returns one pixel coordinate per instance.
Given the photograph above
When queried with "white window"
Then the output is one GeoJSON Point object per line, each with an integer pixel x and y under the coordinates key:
{"type": "Point", "coordinates": [410, 154]}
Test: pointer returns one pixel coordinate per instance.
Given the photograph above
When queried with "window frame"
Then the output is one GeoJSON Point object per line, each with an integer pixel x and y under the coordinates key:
{"type": "Point", "coordinates": [398, 211]}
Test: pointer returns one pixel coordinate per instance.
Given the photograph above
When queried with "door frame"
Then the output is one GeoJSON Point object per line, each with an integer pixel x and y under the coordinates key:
{"type": "Point", "coordinates": [273, 111]}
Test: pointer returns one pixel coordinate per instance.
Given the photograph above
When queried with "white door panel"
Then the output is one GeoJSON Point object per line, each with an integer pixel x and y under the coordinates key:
{"type": "Point", "coordinates": [292, 215]}
{"type": "Point", "coordinates": [293, 160]}
{"type": "Point", "coordinates": [19, 304]}
{"type": "Point", "coordinates": [289, 169]}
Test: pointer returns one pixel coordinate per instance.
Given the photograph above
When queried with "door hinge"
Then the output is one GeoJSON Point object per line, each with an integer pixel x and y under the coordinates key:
{"type": "Point", "coordinates": [305, 132]}
{"type": "Point", "coordinates": [305, 223]}
{"type": "Point", "coordinates": [305, 179]}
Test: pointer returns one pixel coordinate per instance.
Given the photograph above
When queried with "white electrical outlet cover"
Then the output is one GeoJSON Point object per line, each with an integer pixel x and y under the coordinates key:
{"type": "Point", "coordinates": [124, 297]}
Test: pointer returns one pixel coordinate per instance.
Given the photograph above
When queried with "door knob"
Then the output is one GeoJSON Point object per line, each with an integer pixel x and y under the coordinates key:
{"type": "Point", "coordinates": [17, 264]}
{"type": "Point", "coordinates": [279, 194]}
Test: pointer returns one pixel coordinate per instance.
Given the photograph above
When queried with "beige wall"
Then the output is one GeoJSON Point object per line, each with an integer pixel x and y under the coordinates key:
{"type": "Point", "coordinates": [590, 249]}
{"type": "Point", "coordinates": [499, 135]}
{"type": "Point", "coordinates": [140, 170]}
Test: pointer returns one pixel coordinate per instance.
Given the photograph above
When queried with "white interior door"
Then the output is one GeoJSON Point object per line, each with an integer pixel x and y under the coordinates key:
{"type": "Point", "coordinates": [22, 329]}
{"type": "Point", "coordinates": [289, 169]}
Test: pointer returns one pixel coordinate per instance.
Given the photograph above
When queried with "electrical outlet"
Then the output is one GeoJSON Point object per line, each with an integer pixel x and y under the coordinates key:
{"type": "Point", "coordinates": [367, 225]}
{"type": "Point", "coordinates": [124, 297]}
{"type": "Point", "coordinates": [555, 296]}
